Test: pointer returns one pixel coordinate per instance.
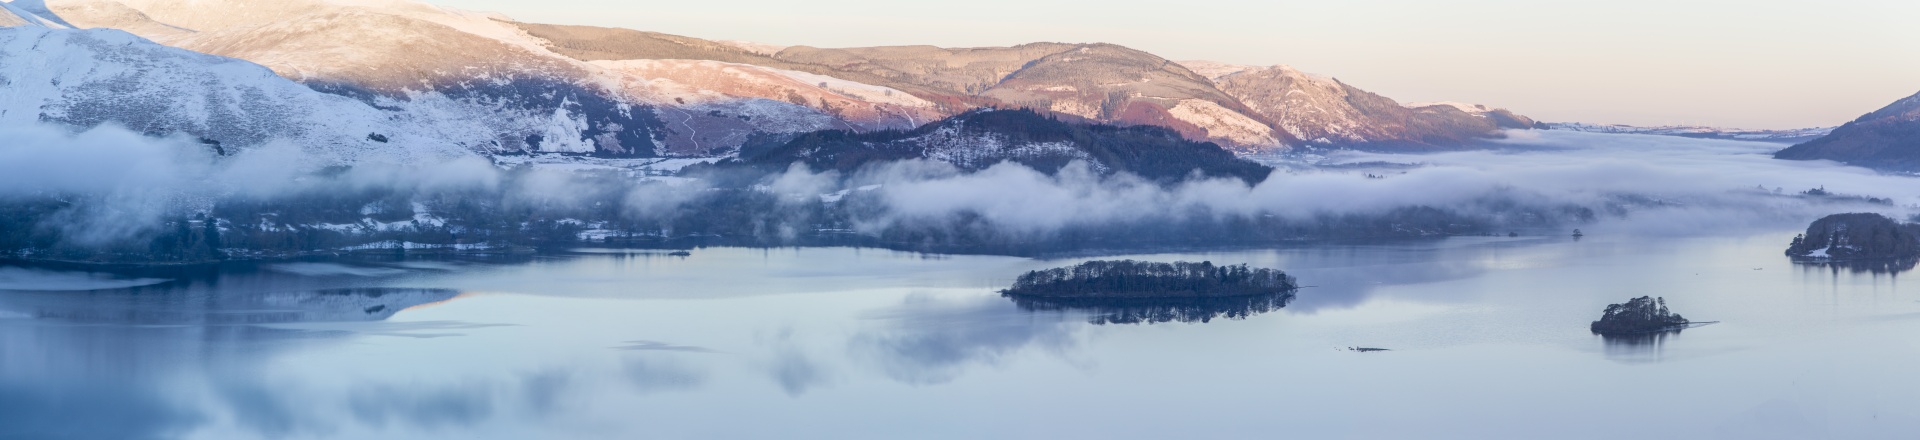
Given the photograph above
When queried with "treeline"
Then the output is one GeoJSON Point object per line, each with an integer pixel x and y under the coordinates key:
{"type": "Point", "coordinates": [1139, 279]}
{"type": "Point", "coordinates": [1151, 152]}
{"type": "Point", "coordinates": [611, 210]}
{"type": "Point", "coordinates": [1856, 236]}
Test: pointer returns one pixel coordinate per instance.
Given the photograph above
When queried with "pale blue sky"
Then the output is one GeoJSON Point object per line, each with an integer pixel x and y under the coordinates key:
{"type": "Point", "coordinates": [1752, 64]}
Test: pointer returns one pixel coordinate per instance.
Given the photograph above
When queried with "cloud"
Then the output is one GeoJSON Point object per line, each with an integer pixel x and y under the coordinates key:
{"type": "Point", "coordinates": [112, 185]}
{"type": "Point", "coordinates": [1649, 185]}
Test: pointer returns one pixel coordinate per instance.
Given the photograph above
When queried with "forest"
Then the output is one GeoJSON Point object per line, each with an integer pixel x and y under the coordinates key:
{"type": "Point", "coordinates": [1152, 152]}
{"type": "Point", "coordinates": [1140, 279]}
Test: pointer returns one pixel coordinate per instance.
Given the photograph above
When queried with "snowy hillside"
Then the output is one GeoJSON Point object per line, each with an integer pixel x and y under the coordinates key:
{"type": "Point", "coordinates": [1324, 111]}
{"type": "Point", "coordinates": [85, 78]}
{"type": "Point", "coordinates": [618, 93]}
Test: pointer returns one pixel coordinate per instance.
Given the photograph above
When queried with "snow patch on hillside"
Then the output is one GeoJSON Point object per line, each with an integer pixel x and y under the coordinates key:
{"type": "Point", "coordinates": [1475, 109]}
{"type": "Point", "coordinates": [1215, 70]}
{"type": "Point", "coordinates": [968, 150]}
{"type": "Point", "coordinates": [862, 91]}
{"type": "Point", "coordinates": [1222, 123]}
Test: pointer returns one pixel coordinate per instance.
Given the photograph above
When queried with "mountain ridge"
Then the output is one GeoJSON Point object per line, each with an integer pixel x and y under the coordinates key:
{"type": "Point", "coordinates": [549, 88]}
{"type": "Point", "coordinates": [1887, 139]}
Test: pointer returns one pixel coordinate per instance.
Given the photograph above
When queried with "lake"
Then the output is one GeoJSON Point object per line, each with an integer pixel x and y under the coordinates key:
{"type": "Point", "coordinates": [1488, 339]}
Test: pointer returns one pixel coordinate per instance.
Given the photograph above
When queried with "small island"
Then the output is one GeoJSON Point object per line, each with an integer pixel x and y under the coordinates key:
{"type": "Point", "coordinates": [1856, 236]}
{"type": "Point", "coordinates": [1639, 316]}
{"type": "Point", "coordinates": [1128, 279]}
{"type": "Point", "coordinates": [1137, 292]}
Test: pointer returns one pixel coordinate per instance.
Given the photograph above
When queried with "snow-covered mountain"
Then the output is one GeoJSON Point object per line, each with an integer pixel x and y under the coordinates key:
{"type": "Point", "coordinates": [537, 88]}
{"type": "Point", "coordinates": [1324, 111]}
{"type": "Point", "coordinates": [411, 56]}
{"type": "Point", "coordinates": [84, 78]}
{"type": "Point", "coordinates": [1099, 82]}
{"type": "Point", "coordinates": [714, 84]}
{"type": "Point", "coordinates": [1886, 139]}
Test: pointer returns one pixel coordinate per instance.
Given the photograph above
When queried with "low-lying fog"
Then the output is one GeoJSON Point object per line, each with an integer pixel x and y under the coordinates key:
{"type": "Point", "coordinates": [116, 183]}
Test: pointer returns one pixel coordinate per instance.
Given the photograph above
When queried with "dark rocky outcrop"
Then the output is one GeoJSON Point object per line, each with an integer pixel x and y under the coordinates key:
{"type": "Point", "coordinates": [1639, 315]}
{"type": "Point", "coordinates": [1856, 236]}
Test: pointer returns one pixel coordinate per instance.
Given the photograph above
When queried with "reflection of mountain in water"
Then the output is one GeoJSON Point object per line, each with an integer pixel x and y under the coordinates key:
{"type": "Point", "coordinates": [105, 363]}
{"type": "Point", "coordinates": [1157, 310]}
{"type": "Point", "coordinates": [333, 305]}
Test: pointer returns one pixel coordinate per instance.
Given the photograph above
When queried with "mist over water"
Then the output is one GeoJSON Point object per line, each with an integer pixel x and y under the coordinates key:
{"type": "Point", "coordinates": [1701, 186]}
{"type": "Point", "coordinates": [116, 185]}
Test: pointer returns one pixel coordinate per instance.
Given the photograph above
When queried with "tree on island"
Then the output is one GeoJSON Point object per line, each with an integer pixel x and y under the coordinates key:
{"type": "Point", "coordinates": [1139, 279]}
{"type": "Point", "coordinates": [1639, 315]}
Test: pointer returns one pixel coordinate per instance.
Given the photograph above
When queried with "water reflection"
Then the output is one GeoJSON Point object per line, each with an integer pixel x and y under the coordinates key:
{"type": "Point", "coordinates": [107, 363]}
{"type": "Point", "coordinates": [1101, 311]}
{"type": "Point", "coordinates": [1894, 266]}
{"type": "Point", "coordinates": [821, 341]}
{"type": "Point", "coordinates": [932, 340]}
{"type": "Point", "coordinates": [148, 308]}
{"type": "Point", "coordinates": [1641, 347]}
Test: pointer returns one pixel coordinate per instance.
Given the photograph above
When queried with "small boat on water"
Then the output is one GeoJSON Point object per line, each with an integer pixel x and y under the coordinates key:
{"type": "Point", "coordinates": [679, 254]}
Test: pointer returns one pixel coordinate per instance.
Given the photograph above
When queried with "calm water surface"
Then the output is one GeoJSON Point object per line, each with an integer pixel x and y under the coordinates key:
{"type": "Point", "coordinates": [1488, 340]}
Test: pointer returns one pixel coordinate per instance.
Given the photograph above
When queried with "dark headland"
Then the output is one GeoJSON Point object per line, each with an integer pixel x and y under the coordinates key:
{"type": "Point", "coordinates": [1856, 236]}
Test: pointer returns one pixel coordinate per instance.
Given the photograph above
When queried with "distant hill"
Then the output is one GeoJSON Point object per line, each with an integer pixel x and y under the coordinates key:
{"type": "Point", "coordinates": [1696, 131]}
{"type": "Point", "coordinates": [1887, 139]}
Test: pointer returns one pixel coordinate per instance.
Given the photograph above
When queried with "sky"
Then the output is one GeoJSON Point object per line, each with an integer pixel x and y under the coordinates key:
{"type": "Point", "coordinates": [1741, 64]}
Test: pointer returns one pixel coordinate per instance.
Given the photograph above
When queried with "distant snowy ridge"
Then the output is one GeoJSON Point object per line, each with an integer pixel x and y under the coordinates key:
{"type": "Point", "coordinates": [1695, 131]}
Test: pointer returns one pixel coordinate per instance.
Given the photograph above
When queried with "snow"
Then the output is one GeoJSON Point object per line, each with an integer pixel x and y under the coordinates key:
{"type": "Point", "coordinates": [656, 167]}
{"type": "Point", "coordinates": [93, 76]}
{"type": "Point", "coordinates": [752, 47]}
{"type": "Point", "coordinates": [1462, 106]}
{"type": "Point", "coordinates": [408, 245]}
{"type": "Point", "coordinates": [1222, 123]}
{"type": "Point", "coordinates": [1215, 70]}
{"type": "Point", "coordinates": [708, 80]}
{"type": "Point", "coordinates": [968, 150]}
